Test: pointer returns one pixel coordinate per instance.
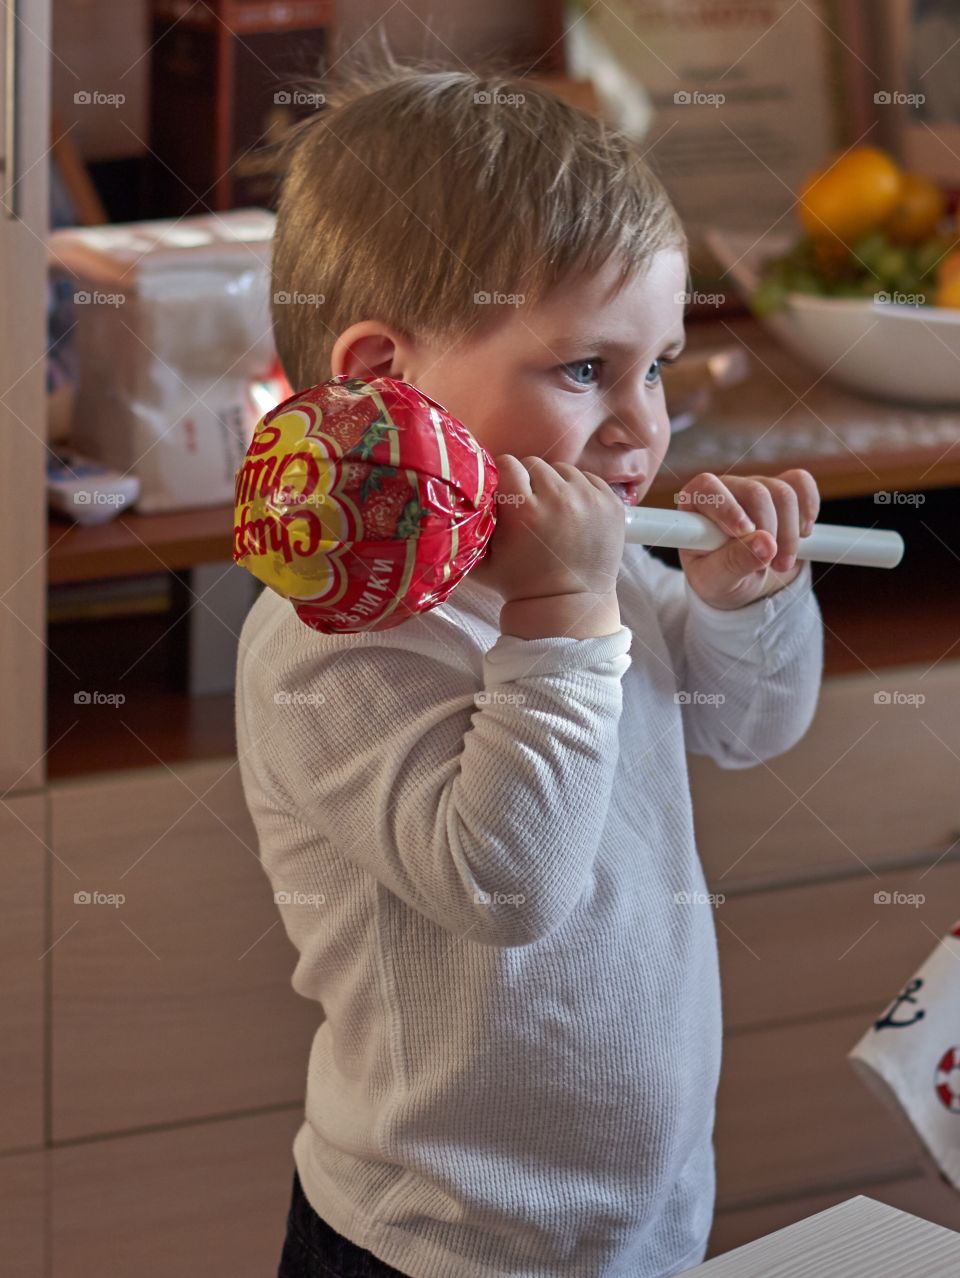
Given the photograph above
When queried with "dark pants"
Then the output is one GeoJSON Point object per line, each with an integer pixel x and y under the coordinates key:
{"type": "Point", "coordinates": [312, 1249]}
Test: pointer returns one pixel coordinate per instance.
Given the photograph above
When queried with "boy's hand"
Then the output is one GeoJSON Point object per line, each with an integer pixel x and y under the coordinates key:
{"type": "Point", "coordinates": [780, 508]}
{"type": "Point", "coordinates": [560, 530]}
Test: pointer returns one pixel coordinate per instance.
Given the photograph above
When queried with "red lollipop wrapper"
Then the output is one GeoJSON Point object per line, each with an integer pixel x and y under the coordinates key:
{"type": "Point", "coordinates": [363, 502]}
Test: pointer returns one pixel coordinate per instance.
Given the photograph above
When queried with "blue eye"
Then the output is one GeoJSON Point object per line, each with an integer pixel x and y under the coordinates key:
{"type": "Point", "coordinates": [658, 364]}
{"type": "Point", "coordinates": [579, 371]}
{"type": "Point", "coordinates": [570, 370]}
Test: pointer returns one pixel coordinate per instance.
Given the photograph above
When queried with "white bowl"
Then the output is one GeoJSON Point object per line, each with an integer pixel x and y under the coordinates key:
{"type": "Point", "coordinates": [900, 352]}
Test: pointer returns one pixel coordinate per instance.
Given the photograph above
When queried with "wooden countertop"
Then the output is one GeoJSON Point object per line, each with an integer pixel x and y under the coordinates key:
{"type": "Point", "coordinates": [785, 415]}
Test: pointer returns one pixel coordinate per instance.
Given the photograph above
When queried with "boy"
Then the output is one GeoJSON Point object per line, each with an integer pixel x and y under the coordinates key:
{"type": "Point", "coordinates": [515, 1066]}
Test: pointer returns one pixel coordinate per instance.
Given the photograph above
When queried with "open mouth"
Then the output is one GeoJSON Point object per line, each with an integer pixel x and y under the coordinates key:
{"type": "Point", "coordinates": [629, 494]}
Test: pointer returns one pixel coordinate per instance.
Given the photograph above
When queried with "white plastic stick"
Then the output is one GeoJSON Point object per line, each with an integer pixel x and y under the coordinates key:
{"type": "Point", "coordinates": [827, 543]}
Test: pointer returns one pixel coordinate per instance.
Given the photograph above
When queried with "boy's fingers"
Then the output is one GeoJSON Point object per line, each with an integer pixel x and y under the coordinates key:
{"type": "Point", "coordinates": [717, 575]}
{"type": "Point", "coordinates": [808, 496]}
{"type": "Point", "coordinates": [544, 477]}
{"type": "Point", "coordinates": [706, 494]}
{"type": "Point", "coordinates": [513, 475]}
{"type": "Point", "coordinates": [742, 556]}
{"type": "Point", "coordinates": [788, 523]}
{"type": "Point", "coordinates": [757, 500]}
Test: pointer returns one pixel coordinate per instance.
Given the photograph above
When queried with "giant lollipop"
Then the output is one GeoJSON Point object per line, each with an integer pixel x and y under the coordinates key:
{"type": "Point", "coordinates": [364, 502]}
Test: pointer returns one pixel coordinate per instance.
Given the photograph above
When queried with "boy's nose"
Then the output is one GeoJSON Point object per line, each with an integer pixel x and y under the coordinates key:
{"type": "Point", "coordinates": [639, 429]}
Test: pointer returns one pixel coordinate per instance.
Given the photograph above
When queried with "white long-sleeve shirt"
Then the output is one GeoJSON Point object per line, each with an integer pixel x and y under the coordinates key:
{"type": "Point", "coordinates": [483, 850]}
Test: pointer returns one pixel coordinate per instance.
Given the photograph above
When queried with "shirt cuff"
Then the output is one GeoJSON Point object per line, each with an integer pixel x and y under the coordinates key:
{"type": "Point", "coordinates": [784, 620]}
{"type": "Point", "coordinates": [513, 658]}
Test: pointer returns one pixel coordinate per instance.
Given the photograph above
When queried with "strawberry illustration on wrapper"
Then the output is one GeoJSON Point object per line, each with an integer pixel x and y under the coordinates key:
{"type": "Point", "coordinates": [362, 502]}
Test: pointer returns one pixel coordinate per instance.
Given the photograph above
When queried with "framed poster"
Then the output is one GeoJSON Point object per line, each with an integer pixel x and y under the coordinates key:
{"type": "Point", "coordinates": [919, 104]}
{"type": "Point", "coordinates": [737, 101]}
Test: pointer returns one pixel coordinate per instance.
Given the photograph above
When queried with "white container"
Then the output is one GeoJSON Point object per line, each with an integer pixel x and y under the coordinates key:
{"type": "Point", "coordinates": [898, 352]}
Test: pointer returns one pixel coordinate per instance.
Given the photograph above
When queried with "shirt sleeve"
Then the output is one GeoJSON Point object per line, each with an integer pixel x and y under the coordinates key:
{"type": "Point", "coordinates": [474, 790]}
{"type": "Point", "coordinates": [748, 679]}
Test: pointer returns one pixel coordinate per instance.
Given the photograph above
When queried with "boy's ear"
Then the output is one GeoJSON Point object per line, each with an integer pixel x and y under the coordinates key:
{"type": "Point", "coordinates": [367, 349]}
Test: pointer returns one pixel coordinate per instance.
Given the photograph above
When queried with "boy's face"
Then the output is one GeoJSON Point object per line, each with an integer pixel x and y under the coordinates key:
{"type": "Point", "coordinates": [575, 379]}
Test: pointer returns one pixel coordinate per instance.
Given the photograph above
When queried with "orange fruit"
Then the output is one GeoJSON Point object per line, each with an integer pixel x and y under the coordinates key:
{"type": "Point", "coordinates": [851, 197]}
{"type": "Point", "coordinates": [948, 294]}
{"type": "Point", "coordinates": [917, 212]}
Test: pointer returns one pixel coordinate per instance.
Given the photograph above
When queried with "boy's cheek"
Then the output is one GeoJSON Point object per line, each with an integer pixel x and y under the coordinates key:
{"type": "Point", "coordinates": [652, 479]}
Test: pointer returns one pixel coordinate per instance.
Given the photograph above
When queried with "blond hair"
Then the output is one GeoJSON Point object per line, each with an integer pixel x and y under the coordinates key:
{"type": "Point", "coordinates": [415, 192]}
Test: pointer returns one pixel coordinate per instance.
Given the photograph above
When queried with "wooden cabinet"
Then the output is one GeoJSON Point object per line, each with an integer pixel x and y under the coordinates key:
{"type": "Point", "coordinates": [24, 1196]}
{"type": "Point", "coordinates": [871, 782]}
{"type": "Point", "coordinates": [23, 857]}
{"type": "Point", "coordinates": [173, 1011]}
{"type": "Point", "coordinates": [24, 128]}
{"type": "Point", "coordinates": [207, 1198]}
{"type": "Point", "coordinates": [819, 949]}
{"type": "Point", "coordinates": [793, 1118]}
{"type": "Point", "coordinates": [803, 849]}
{"type": "Point", "coordinates": [171, 986]}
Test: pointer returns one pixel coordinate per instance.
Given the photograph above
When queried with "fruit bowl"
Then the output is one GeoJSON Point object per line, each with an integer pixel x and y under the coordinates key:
{"type": "Point", "coordinates": [885, 349]}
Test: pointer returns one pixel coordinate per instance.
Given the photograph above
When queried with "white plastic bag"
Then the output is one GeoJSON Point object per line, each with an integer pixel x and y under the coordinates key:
{"type": "Point", "coordinates": [173, 327]}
